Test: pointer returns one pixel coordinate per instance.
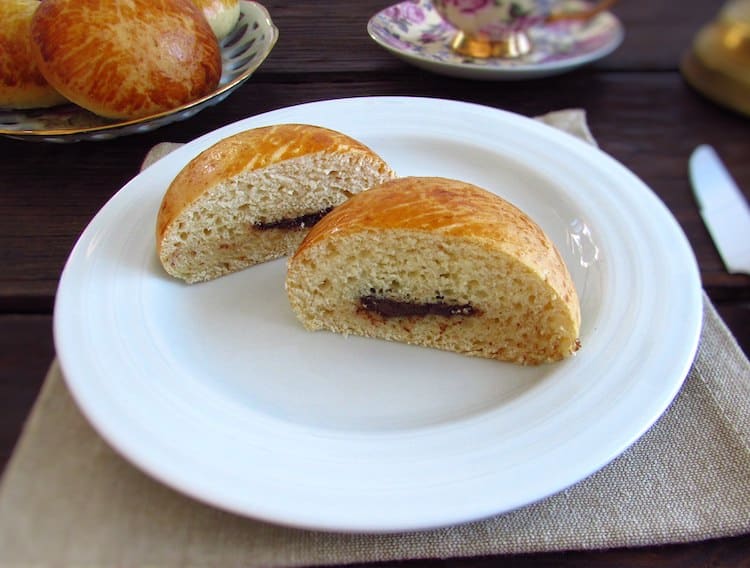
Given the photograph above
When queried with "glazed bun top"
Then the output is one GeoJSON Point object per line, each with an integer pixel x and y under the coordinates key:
{"type": "Point", "coordinates": [126, 59]}
{"type": "Point", "coordinates": [21, 83]}
{"type": "Point", "coordinates": [222, 15]}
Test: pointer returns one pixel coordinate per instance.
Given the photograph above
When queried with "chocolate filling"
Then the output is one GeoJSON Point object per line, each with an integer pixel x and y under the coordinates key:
{"type": "Point", "coordinates": [295, 223]}
{"type": "Point", "coordinates": [396, 308]}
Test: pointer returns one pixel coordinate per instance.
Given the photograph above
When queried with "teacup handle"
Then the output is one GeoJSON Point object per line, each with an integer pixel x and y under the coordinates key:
{"type": "Point", "coordinates": [586, 14]}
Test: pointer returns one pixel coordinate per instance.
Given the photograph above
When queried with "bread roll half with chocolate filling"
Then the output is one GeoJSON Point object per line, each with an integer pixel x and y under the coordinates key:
{"type": "Point", "coordinates": [253, 197]}
{"type": "Point", "coordinates": [438, 263]}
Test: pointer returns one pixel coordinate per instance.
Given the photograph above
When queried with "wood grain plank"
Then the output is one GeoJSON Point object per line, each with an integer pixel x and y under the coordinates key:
{"type": "Point", "coordinates": [329, 36]}
{"type": "Point", "coordinates": [26, 351]}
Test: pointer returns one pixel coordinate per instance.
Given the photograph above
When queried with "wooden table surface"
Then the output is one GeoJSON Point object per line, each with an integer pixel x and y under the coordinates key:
{"type": "Point", "coordinates": [639, 108]}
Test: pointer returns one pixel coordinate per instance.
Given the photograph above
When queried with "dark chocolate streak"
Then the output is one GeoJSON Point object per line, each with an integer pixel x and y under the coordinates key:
{"type": "Point", "coordinates": [296, 223]}
{"type": "Point", "coordinates": [395, 308]}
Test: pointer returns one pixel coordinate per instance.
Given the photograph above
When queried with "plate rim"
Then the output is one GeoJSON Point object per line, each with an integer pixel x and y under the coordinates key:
{"type": "Point", "coordinates": [363, 525]}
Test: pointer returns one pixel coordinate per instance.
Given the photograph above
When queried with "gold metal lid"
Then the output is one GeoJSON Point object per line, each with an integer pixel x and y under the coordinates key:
{"type": "Point", "coordinates": [718, 65]}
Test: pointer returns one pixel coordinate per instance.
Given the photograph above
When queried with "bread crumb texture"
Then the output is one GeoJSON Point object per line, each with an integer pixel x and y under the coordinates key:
{"type": "Point", "coordinates": [252, 197]}
{"type": "Point", "coordinates": [438, 242]}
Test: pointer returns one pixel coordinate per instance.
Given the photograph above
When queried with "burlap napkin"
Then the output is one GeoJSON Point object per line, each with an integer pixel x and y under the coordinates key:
{"type": "Point", "coordinates": [67, 499]}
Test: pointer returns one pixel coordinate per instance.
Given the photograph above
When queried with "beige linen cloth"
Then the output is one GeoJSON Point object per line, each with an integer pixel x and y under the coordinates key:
{"type": "Point", "coordinates": [67, 499]}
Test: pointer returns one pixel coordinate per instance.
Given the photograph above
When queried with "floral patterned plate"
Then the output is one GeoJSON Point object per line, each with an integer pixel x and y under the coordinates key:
{"type": "Point", "coordinates": [414, 31]}
{"type": "Point", "coordinates": [242, 52]}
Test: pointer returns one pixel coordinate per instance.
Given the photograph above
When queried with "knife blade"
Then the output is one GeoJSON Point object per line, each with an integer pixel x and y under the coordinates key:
{"type": "Point", "coordinates": [723, 207]}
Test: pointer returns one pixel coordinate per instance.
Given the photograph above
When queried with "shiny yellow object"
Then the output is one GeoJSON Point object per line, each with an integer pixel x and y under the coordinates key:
{"type": "Point", "coordinates": [718, 64]}
{"type": "Point", "coordinates": [515, 45]}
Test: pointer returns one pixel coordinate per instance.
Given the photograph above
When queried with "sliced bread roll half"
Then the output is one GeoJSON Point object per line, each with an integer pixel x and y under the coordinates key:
{"type": "Point", "coordinates": [438, 263]}
{"type": "Point", "coordinates": [252, 197]}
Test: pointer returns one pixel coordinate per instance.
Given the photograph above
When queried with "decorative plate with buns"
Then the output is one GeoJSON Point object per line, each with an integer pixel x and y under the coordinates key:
{"type": "Point", "coordinates": [83, 70]}
{"type": "Point", "coordinates": [378, 314]}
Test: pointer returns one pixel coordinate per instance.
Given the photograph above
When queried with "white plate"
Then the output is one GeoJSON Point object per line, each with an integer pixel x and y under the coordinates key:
{"type": "Point", "coordinates": [415, 32]}
{"type": "Point", "coordinates": [217, 391]}
{"type": "Point", "coordinates": [242, 52]}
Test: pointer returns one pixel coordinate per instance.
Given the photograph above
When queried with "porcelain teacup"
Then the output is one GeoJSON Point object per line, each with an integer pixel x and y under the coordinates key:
{"type": "Point", "coordinates": [499, 28]}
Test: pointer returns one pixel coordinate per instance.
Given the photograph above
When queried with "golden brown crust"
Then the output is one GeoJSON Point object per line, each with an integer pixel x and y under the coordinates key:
{"type": "Point", "coordinates": [22, 85]}
{"type": "Point", "coordinates": [455, 209]}
{"type": "Point", "coordinates": [246, 151]}
{"type": "Point", "coordinates": [129, 58]}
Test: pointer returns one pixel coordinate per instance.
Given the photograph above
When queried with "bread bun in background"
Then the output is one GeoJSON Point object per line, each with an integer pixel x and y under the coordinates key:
{"type": "Point", "coordinates": [439, 263]}
{"type": "Point", "coordinates": [222, 15]}
{"type": "Point", "coordinates": [21, 83]}
{"type": "Point", "coordinates": [126, 59]}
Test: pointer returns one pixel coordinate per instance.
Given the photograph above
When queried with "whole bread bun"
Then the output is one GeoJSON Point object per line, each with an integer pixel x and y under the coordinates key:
{"type": "Point", "coordinates": [439, 263]}
{"type": "Point", "coordinates": [126, 59]}
{"type": "Point", "coordinates": [22, 85]}
{"type": "Point", "coordinates": [252, 197]}
{"type": "Point", "coordinates": [222, 15]}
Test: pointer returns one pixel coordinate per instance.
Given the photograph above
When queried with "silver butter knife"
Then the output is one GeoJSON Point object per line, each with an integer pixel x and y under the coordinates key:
{"type": "Point", "coordinates": [724, 209]}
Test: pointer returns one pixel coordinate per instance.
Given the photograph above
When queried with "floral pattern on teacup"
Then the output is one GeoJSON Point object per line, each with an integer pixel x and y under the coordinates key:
{"type": "Point", "coordinates": [415, 29]}
{"type": "Point", "coordinates": [493, 19]}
